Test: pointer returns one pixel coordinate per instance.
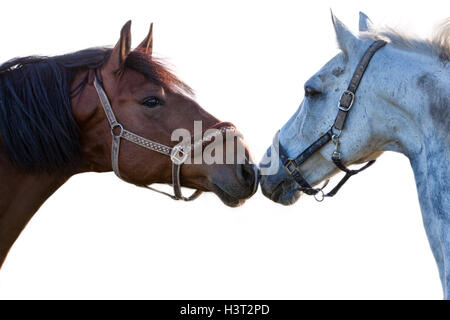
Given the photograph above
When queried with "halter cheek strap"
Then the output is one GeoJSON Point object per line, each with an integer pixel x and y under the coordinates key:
{"type": "Point", "coordinates": [346, 101]}
{"type": "Point", "coordinates": [177, 154]}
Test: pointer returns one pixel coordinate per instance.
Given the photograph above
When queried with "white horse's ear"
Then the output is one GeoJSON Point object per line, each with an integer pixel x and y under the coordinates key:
{"type": "Point", "coordinates": [347, 41]}
{"type": "Point", "coordinates": [365, 24]}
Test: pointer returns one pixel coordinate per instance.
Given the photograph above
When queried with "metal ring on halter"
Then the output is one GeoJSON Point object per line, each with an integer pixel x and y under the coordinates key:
{"type": "Point", "coordinates": [178, 155]}
{"type": "Point", "coordinates": [319, 196]}
{"type": "Point", "coordinates": [320, 192]}
{"type": "Point", "coordinates": [335, 136]}
{"type": "Point", "coordinates": [117, 125]}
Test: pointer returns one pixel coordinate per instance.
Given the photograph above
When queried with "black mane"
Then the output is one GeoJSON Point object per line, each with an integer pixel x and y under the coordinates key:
{"type": "Point", "coordinates": [37, 129]}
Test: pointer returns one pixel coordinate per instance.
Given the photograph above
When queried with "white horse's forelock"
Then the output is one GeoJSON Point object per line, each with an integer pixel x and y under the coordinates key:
{"type": "Point", "coordinates": [438, 44]}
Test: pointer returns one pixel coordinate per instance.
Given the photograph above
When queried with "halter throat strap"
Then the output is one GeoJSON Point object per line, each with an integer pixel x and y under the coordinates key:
{"type": "Point", "coordinates": [346, 101]}
{"type": "Point", "coordinates": [177, 154]}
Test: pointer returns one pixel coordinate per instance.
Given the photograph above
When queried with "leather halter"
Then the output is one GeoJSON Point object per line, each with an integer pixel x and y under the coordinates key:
{"type": "Point", "coordinates": [178, 154]}
{"type": "Point", "coordinates": [347, 99]}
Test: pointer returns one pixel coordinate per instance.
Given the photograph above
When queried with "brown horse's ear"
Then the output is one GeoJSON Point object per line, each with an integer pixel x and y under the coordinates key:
{"type": "Point", "coordinates": [147, 44]}
{"type": "Point", "coordinates": [91, 77]}
{"type": "Point", "coordinates": [121, 50]}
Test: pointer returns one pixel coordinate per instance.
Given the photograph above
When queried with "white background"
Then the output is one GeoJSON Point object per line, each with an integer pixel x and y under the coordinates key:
{"type": "Point", "coordinates": [98, 237]}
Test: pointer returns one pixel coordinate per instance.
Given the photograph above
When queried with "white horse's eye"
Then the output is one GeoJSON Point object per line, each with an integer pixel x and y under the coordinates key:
{"type": "Point", "coordinates": [311, 92]}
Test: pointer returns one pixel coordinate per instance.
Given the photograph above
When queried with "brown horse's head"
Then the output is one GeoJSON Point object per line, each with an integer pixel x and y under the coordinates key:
{"type": "Point", "coordinates": [150, 101]}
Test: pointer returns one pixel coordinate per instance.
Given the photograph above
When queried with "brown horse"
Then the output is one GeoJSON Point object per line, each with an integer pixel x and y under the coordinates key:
{"type": "Point", "coordinates": [54, 124]}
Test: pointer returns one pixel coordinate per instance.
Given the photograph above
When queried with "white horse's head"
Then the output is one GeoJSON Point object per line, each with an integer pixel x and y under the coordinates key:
{"type": "Point", "coordinates": [384, 115]}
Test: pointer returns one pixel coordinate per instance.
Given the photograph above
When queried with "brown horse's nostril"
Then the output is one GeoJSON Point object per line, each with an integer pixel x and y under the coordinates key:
{"type": "Point", "coordinates": [248, 174]}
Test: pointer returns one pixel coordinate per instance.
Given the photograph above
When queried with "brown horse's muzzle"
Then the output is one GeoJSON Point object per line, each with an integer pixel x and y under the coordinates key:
{"type": "Point", "coordinates": [234, 184]}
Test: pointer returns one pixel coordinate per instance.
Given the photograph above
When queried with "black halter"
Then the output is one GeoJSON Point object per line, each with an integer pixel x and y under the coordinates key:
{"type": "Point", "coordinates": [292, 166]}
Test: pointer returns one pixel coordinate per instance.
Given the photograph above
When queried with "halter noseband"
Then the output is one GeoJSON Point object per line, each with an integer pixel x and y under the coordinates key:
{"type": "Point", "coordinates": [178, 154]}
{"type": "Point", "coordinates": [292, 166]}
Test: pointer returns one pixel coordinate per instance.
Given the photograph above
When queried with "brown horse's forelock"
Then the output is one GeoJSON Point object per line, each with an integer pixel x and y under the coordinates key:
{"type": "Point", "coordinates": [156, 71]}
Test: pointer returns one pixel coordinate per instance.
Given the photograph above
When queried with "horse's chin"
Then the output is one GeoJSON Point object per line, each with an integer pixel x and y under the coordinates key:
{"type": "Point", "coordinates": [285, 193]}
{"type": "Point", "coordinates": [289, 198]}
{"type": "Point", "coordinates": [226, 198]}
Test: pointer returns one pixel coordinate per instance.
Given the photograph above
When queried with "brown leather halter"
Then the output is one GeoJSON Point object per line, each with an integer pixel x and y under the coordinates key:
{"type": "Point", "coordinates": [292, 166]}
{"type": "Point", "coordinates": [178, 154]}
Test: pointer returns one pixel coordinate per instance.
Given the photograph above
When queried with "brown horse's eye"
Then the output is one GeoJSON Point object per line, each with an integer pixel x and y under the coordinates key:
{"type": "Point", "coordinates": [152, 102]}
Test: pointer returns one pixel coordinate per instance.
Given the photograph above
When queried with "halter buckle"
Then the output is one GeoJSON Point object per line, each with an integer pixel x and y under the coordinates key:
{"type": "Point", "coordinates": [290, 166]}
{"type": "Point", "coordinates": [114, 127]}
{"type": "Point", "coordinates": [178, 155]}
{"type": "Point", "coordinates": [344, 100]}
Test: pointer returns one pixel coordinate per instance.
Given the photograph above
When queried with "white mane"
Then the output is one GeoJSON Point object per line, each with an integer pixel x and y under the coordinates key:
{"type": "Point", "coordinates": [438, 44]}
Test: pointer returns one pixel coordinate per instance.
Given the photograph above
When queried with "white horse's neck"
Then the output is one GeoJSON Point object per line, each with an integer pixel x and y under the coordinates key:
{"type": "Point", "coordinates": [432, 173]}
{"type": "Point", "coordinates": [421, 103]}
{"type": "Point", "coordinates": [432, 176]}
{"type": "Point", "coordinates": [417, 104]}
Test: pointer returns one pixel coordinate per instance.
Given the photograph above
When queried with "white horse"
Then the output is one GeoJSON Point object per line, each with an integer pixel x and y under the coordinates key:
{"type": "Point", "coordinates": [401, 105]}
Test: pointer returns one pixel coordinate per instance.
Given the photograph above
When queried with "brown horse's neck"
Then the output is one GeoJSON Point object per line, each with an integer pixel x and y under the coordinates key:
{"type": "Point", "coordinates": [21, 195]}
